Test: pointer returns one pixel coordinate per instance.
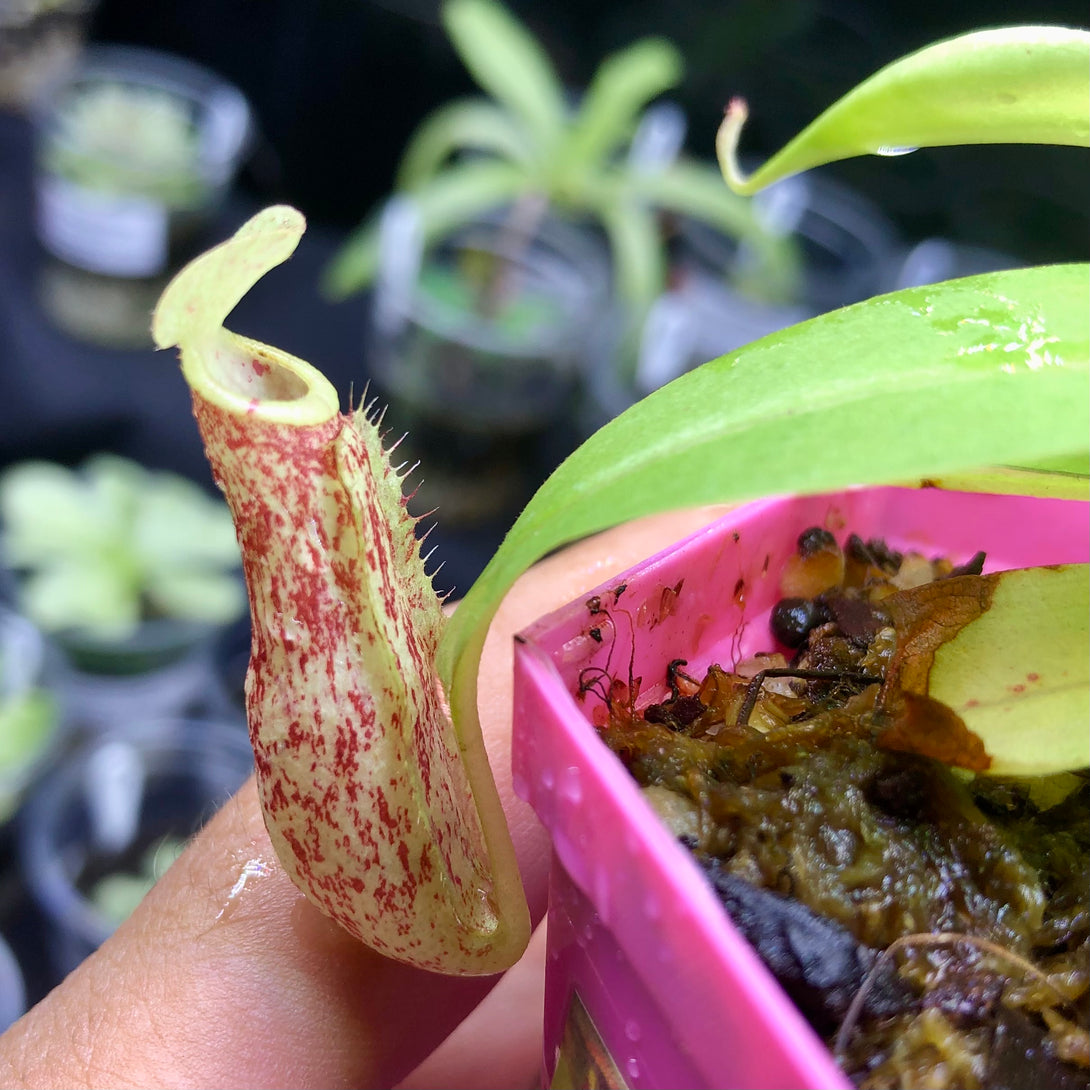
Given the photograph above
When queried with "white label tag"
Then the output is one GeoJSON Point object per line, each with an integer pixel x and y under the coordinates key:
{"type": "Point", "coordinates": [102, 232]}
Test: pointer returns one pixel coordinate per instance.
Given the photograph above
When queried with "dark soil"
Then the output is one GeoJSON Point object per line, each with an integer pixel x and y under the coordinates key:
{"type": "Point", "coordinates": [931, 924]}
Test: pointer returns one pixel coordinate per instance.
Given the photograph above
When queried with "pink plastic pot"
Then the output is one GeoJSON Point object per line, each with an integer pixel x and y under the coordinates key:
{"type": "Point", "coordinates": [648, 983]}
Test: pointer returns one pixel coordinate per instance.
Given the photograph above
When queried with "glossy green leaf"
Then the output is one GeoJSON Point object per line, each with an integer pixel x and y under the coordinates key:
{"type": "Point", "coordinates": [888, 389]}
{"type": "Point", "coordinates": [622, 86]}
{"type": "Point", "coordinates": [1019, 675]}
{"type": "Point", "coordinates": [468, 124]}
{"type": "Point", "coordinates": [452, 198]}
{"type": "Point", "coordinates": [509, 64]}
{"type": "Point", "coordinates": [1014, 85]}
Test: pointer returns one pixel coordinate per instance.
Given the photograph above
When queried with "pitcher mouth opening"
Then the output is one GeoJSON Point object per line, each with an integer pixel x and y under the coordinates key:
{"type": "Point", "coordinates": [256, 375]}
{"type": "Point", "coordinates": [246, 376]}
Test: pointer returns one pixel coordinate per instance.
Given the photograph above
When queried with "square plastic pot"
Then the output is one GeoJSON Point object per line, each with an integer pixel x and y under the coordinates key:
{"type": "Point", "coordinates": [648, 983]}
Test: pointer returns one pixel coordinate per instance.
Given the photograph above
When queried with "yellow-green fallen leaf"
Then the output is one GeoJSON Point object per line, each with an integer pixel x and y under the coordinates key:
{"type": "Point", "coordinates": [1053, 484]}
{"type": "Point", "coordinates": [1019, 675]}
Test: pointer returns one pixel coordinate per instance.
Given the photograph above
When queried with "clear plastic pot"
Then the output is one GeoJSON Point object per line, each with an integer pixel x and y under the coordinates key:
{"type": "Point", "coordinates": [95, 831]}
{"type": "Point", "coordinates": [477, 343]}
{"type": "Point", "coordinates": [29, 712]}
{"type": "Point", "coordinates": [135, 152]}
{"type": "Point", "coordinates": [719, 299]}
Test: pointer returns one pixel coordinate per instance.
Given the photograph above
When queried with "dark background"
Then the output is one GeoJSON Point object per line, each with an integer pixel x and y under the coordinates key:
{"type": "Point", "coordinates": [337, 86]}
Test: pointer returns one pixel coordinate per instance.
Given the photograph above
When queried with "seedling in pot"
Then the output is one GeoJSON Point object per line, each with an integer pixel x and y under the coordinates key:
{"type": "Point", "coordinates": [100, 549]}
{"type": "Point", "coordinates": [379, 799]}
{"type": "Point", "coordinates": [526, 149]}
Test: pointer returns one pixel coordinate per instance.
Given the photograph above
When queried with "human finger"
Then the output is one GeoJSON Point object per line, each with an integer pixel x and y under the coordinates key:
{"type": "Point", "coordinates": [225, 975]}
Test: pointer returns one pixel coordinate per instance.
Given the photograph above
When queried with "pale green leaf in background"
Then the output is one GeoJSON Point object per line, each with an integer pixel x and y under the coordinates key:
{"type": "Point", "coordinates": [207, 596]}
{"type": "Point", "coordinates": [46, 511]}
{"type": "Point", "coordinates": [83, 592]}
{"type": "Point", "coordinates": [91, 546]}
{"type": "Point", "coordinates": [509, 64]}
{"type": "Point", "coordinates": [638, 261]}
{"type": "Point", "coordinates": [179, 526]}
{"type": "Point", "coordinates": [455, 197]}
{"type": "Point", "coordinates": [464, 125]}
{"type": "Point", "coordinates": [622, 86]}
{"type": "Point", "coordinates": [773, 267]}
{"type": "Point", "coordinates": [26, 721]}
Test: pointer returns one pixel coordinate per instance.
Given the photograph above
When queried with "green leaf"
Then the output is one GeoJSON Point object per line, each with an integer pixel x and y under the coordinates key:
{"type": "Point", "coordinates": [1072, 465]}
{"type": "Point", "coordinates": [27, 719]}
{"type": "Point", "coordinates": [48, 511]}
{"type": "Point", "coordinates": [889, 389]}
{"type": "Point", "coordinates": [465, 125]}
{"type": "Point", "coordinates": [82, 592]}
{"type": "Point", "coordinates": [209, 597]}
{"type": "Point", "coordinates": [622, 86]}
{"type": "Point", "coordinates": [454, 197]}
{"type": "Point", "coordinates": [1015, 85]}
{"type": "Point", "coordinates": [509, 64]}
{"type": "Point", "coordinates": [638, 262]}
{"type": "Point", "coordinates": [695, 190]}
{"type": "Point", "coordinates": [177, 527]}
{"type": "Point", "coordinates": [1019, 675]}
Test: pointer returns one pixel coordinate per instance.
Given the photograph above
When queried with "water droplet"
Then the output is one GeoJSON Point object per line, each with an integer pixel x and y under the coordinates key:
{"type": "Point", "coordinates": [1001, 335]}
{"type": "Point", "coordinates": [571, 786]}
{"type": "Point", "coordinates": [893, 150]}
{"type": "Point", "coordinates": [548, 779]}
{"type": "Point", "coordinates": [632, 1030]}
{"type": "Point", "coordinates": [651, 907]}
{"type": "Point", "coordinates": [632, 1066]}
{"type": "Point", "coordinates": [250, 871]}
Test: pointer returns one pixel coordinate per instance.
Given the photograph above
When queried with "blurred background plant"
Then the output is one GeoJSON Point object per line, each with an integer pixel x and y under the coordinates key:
{"type": "Point", "coordinates": [111, 545]}
{"type": "Point", "coordinates": [115, 138]}
{"type": "Point", "coordinates": [39, 40]}
{"type": "Point", "coordinates": [29, 713]}
{"type": "Point", "coordinates": [599, 157]}
{"type": "Point", "coordinates": [136, 151]}
{"type": "Point", "coordinates": [529, 235]}
{"type": "Point", "coordinates": [338, 90]}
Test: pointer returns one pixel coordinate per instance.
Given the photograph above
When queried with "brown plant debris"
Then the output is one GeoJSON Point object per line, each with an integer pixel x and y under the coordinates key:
{"type": "Point", "coordinates": [831, 803]}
